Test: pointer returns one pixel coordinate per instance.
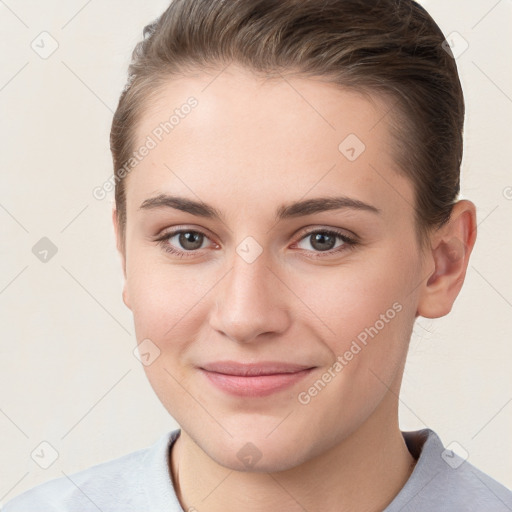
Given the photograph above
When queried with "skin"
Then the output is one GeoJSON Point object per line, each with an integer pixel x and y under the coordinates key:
{"type": "Point", "coordinates": [249, 147]}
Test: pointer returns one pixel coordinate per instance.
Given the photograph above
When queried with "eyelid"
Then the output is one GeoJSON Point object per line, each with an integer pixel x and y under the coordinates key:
{"type": "Point", "coordinates": [163, 237]}
{"type": "Point", "coordinates": [175, 230]}
{"type": "Point", "coordinates": [308, 230]}
{"type": "Point", "coordinates": [350, 242]}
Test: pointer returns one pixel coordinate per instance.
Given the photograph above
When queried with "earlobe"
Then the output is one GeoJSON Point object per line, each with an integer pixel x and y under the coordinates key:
{"type": "Point", "coordinates": [125, 297]}
{"type": "Point", "coordinates": [121, 251]}
{"type": "Point", "coordinates": [450, 252]}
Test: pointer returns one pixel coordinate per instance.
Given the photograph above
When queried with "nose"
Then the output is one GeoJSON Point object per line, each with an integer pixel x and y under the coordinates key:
{"type": "Point", "coordinates": [250, 301]}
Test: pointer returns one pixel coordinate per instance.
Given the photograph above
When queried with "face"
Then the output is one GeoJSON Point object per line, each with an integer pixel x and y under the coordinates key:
{"type": "Point", "coordinates": [302, 262]}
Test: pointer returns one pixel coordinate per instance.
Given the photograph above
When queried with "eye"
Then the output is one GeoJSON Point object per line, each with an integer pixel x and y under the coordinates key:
{"type": "Point", "coordinates": [182, 241]}
{"type": "Point", "coordinates": [185, 243]}
{"type": "Point", "coordinates": [326, 241]}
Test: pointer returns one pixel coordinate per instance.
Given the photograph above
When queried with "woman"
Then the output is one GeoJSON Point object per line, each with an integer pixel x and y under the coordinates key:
{"type": "Point", "coordinates": [286, 181]}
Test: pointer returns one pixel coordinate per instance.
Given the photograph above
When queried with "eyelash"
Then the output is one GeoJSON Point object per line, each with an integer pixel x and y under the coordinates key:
{"type": "Point", "coordinates": [349, 243]}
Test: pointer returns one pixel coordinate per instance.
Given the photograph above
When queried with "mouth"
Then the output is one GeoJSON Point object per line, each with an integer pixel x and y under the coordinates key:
{"type": "Point", "coordinates": [254, 379]}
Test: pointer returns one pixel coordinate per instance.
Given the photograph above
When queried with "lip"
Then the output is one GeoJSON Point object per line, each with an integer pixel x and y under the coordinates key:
{"type": "Point", "coordinates": [254, 379]}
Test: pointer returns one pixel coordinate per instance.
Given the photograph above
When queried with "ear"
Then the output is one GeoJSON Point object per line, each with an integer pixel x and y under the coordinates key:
{"type": "Point", "coordinates": [122, 252]}
{"type": "Point", "coordinates": [449, 254]}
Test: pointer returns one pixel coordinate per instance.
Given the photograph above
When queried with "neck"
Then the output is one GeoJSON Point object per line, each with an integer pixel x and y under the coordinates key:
{"type": "Point", "coordinates": [362, 473]}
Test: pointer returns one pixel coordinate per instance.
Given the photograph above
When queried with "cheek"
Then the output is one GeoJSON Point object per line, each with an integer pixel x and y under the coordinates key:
{"type": "Point", "coordinates": [350, 299]}
{"type": "Point", "coordinates": [365, 316]}
{"type": "Point", "coordinates": [159, 293]}
{"type": "Point", "coordinates": [170, 306]}
{"type": "Point", "coordinates": [370, 318]}
{"type": "Point", "coordinates": [166, 305]}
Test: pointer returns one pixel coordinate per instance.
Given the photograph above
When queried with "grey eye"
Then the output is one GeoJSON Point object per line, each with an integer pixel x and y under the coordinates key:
{"type": "Point", "coordinates": [321, 241]}
{"type": "Point", "coordinates": [190, 240]}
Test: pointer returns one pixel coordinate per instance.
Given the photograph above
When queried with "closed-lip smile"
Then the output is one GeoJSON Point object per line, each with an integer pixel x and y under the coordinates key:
{"type": "Point", "coordinates": [254, 379]}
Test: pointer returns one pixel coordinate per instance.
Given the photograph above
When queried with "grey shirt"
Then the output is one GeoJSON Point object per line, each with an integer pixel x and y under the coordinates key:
{"type": "Point", "coordinates": [140, 481]}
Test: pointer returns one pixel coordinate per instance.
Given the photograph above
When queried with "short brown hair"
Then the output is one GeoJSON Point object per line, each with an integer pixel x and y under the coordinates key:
{"type": "Point", "coordinates": [390, 47]}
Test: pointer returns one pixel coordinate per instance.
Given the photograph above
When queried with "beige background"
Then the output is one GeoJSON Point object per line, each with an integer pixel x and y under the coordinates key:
{"type": "Point", "coordinates": [69, 376]}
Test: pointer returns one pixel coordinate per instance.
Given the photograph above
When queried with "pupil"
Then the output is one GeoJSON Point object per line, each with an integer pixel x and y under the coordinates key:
{"type": "Point", "coordinates": [190, 238]}
{"type": "Point", "coordinates": [323, 242]}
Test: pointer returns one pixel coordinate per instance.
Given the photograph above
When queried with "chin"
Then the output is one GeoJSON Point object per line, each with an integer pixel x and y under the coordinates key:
{"type": "Point", "coordinates": [251, 458]}
{"type": "Point", "coordinates": [254, 450]}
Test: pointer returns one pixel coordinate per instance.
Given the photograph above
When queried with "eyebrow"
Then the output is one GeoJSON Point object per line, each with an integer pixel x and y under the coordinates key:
{"type": "Point", "coordinates": [292, 210]}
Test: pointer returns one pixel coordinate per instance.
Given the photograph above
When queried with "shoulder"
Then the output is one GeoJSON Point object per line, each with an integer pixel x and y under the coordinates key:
{"type": "Point", "coordinates": [444, 481]}
{"type": "Point", "coordinates": [117, 484]}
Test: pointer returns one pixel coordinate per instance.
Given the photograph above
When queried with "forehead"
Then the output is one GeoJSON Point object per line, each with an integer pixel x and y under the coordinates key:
{"type": "Point", "coordinates": [256, 141]}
